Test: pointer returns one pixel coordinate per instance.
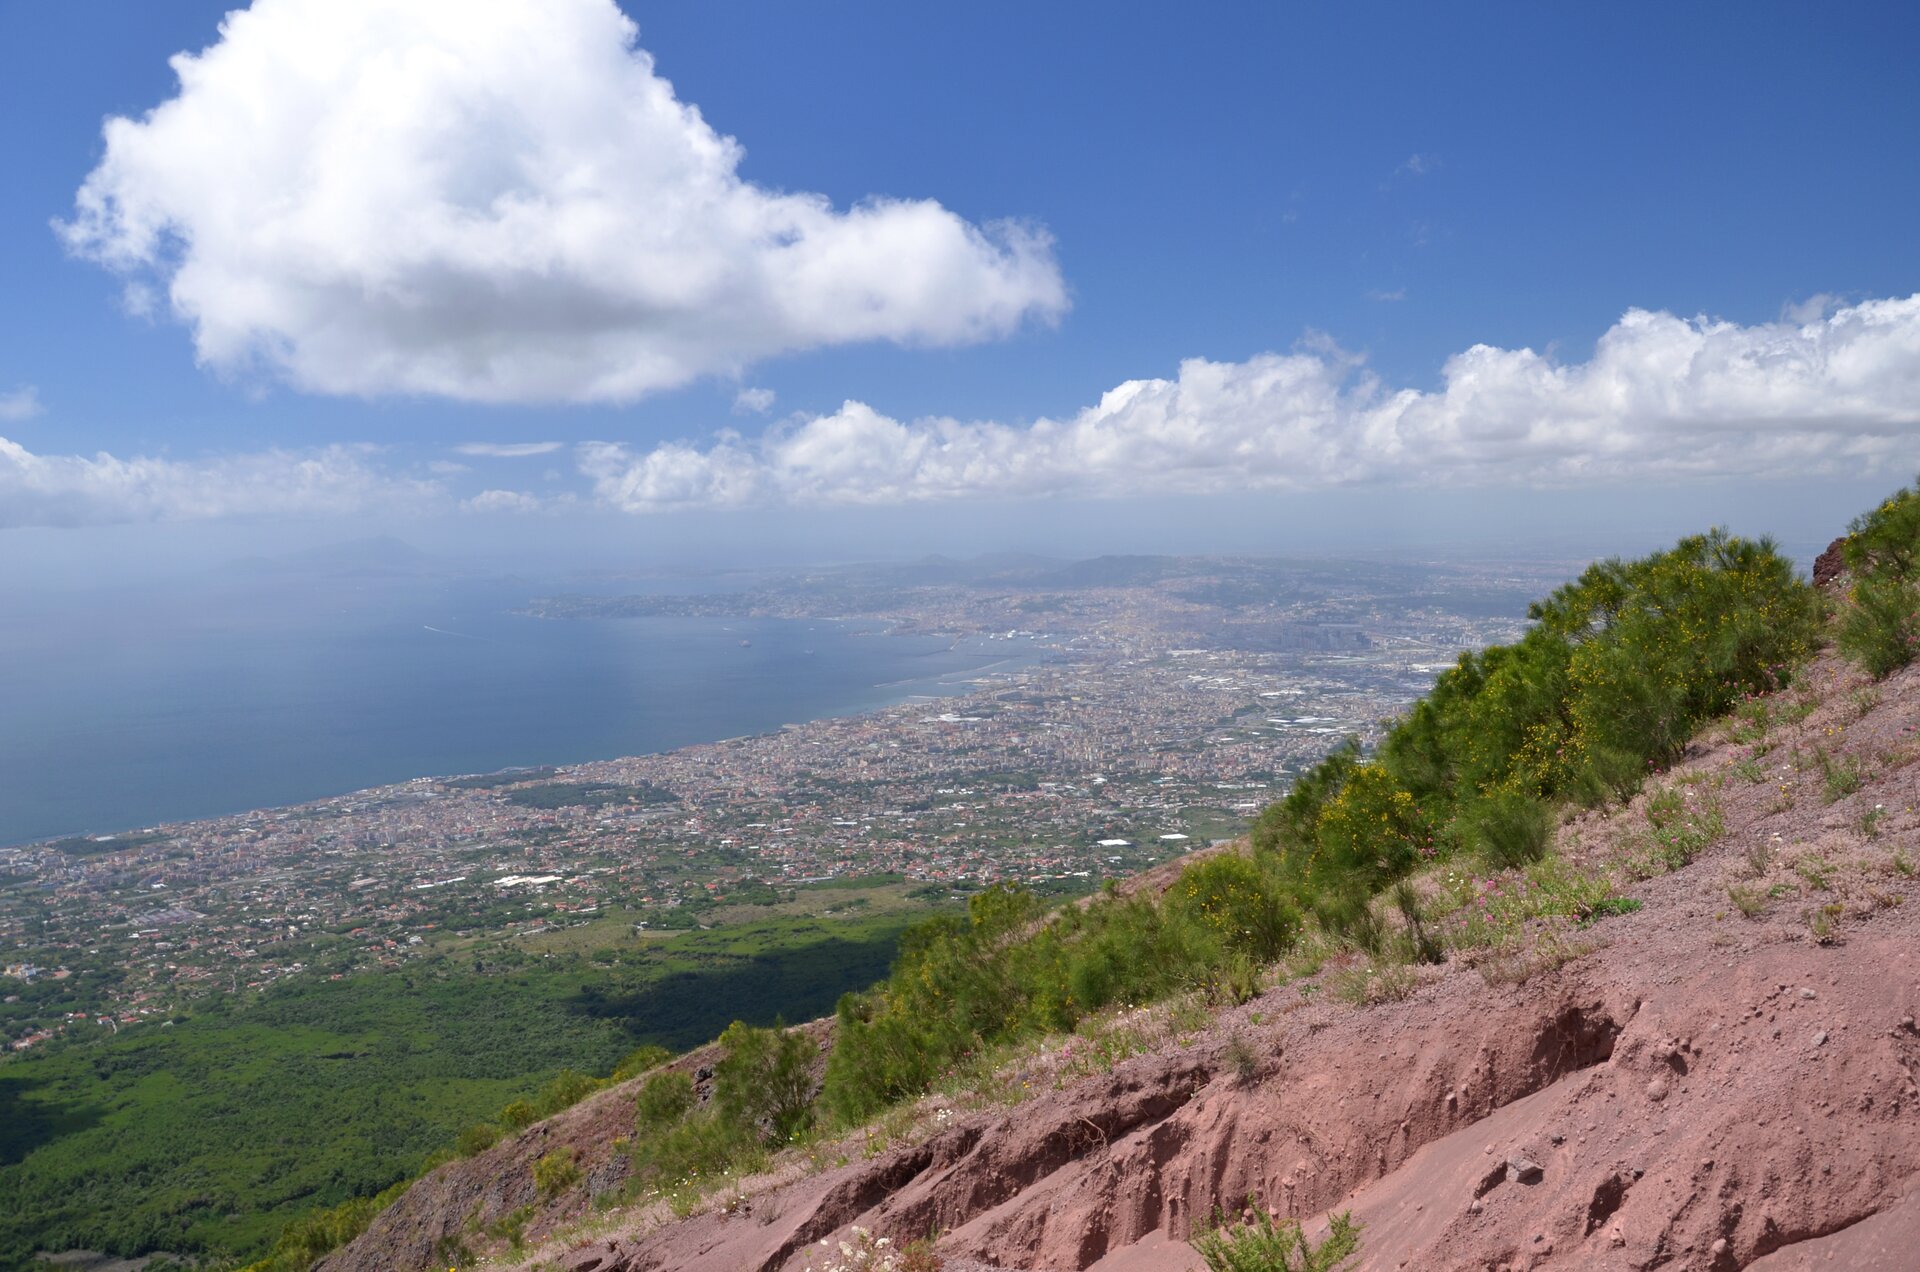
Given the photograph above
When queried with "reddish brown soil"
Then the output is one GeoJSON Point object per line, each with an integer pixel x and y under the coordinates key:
{"type": "Point", "coordinates": [1703, 1090]}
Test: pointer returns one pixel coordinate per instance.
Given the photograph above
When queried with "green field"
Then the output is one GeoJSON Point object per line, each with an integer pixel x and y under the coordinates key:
{"type": "Point", "coordinates": [207, 1135]}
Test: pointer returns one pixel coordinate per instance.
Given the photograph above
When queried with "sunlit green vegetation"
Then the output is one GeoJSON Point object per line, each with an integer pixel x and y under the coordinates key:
{"type": "Point", "coordinates": [1620, 669]}
{"type": "Point", "coordinates": [1880, 625]}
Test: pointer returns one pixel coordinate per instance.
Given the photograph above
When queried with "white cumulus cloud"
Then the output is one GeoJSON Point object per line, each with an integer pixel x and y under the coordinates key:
{"type": "Point", "coordinates": [81, 490]}
{"type": "Point", "coordinates": [21, 404]}
{"type": "Point", "coordinates": [500, 200]}
{"type": "Point", "coordinates": [1662, 398]}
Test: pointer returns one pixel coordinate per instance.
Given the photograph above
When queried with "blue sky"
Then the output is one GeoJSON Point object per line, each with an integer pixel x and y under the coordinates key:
{"type": "Point", "coordinates": [1326, 205]}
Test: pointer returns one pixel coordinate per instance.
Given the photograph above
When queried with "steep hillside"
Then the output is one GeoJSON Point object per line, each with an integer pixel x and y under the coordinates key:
{"type": "Point", "coordinates": [1693, 1086]}
{"type": "Point", "coordinates": [1677, 1029]}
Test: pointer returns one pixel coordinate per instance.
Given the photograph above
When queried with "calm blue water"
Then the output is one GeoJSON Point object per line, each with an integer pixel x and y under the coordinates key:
{"type": "Point", "coordinates": [122, 713]}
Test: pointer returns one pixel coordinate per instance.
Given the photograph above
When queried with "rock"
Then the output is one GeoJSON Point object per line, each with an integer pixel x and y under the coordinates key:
{"type": "Point", "coordinates": [1831, 564]}
{"type": "Point", "coordinates": [1807, 993]}
{"type": "Point", "coordinates": [1820, 1039]}
{"type": "Point", "coordinates": [1719, 1247]}
{"type": "Point", "coordinates": [1657, 1090]}
{"type": "Point", "coordinates": [1524, 1169]}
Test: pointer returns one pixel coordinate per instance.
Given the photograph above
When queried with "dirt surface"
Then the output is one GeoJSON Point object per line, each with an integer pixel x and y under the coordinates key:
{"type": "Point", "coordinates": [1702, 1089]}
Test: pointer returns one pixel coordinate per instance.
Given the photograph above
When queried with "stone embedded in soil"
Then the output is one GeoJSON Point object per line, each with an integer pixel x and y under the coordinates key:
{"type": "Point", "coordinates": [1524, 1169]}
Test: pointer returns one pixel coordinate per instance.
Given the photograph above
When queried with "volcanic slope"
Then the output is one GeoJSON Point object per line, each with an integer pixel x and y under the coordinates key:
{"type": "Point", "coordinates": [1727, 1076]}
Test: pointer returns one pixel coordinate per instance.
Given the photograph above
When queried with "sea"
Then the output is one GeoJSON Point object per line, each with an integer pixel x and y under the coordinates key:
{"type": "Point", "coordinates": [123, 711]}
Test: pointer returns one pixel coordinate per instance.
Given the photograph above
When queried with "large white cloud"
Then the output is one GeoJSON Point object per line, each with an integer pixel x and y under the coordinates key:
{"type": "Point", "coordinates": [1661, 398]}
{"type": "Point", "coordinates": [499, 200]}
{"type": "Point", "coordinates": [81, 490]}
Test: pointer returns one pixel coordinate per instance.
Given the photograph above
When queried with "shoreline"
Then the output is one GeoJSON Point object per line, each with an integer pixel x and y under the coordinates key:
{"type": "Point", "coordinates": [945, 685]}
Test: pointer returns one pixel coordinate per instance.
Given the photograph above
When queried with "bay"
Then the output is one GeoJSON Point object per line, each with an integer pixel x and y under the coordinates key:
{"type": "Point", "coordinates": [132, 710]}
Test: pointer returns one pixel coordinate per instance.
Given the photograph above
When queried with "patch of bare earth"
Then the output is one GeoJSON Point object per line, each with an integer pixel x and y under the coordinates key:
{"type": "Point", "coordinates": [1726, 1078]}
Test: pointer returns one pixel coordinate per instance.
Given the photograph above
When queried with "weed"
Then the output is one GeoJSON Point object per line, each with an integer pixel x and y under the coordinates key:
{"type": "Point", "coordinates": [1870, 821]}
{"type": "Point", "coordinates": [1261, 1241]}
{"type": "Point", "coordinates": [1189, 1015]}
{"type": "Point", "coordinates": [1841, 777]}
{"type": "Point", "coordinates": [1607, 907]}
{"type": "Point", "coordinates": [1749, 901]}
{"type": "Point", "coordinates": [1421, 946]}
{"type": "Point", "coordinates": [1751, 769]}
{"type": "Point", "coordinates": [1235, 982]}
{"type": "Point", "coordinates": [1822, 923]}
{"type": "Point", "coordinates": [511, 1227]}
{"type": "Point", "coordinates": [1759, 857]}
{"type": "Point", "coordinates": [1902, 864]}
{"type": "Point", "coordinates": [1242, 1059]}
{"type": "Point", "coordinates": [1864, 700]}
{"type": "Point", "coordinates": [1816, 871]}
{"type": "Point", "coordinates": [1367, 985]}
{"type": "Point", "coordinates": [1549, 949]}
{"type": "Point", "coordinates": [1679, 827]}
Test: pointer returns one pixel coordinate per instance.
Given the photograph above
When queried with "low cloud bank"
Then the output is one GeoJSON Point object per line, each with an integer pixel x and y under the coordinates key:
{"type": "Point", "coordinates": [82, 490]}
{"type": "Point", "coordinates": [1663, 398]}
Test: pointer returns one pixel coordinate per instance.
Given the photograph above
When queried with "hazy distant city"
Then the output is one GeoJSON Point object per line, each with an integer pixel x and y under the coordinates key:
{"type": "Point", "coordinates": [1147, 705]}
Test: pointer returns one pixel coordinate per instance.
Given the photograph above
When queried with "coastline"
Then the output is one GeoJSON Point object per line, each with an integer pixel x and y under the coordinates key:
{"type": "Point", "coordinates": [931, 687]}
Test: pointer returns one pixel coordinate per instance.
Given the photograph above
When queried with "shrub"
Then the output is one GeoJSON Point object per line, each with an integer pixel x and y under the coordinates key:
{"type": "Point", "coordinates": [639, 1060]}
{"type": "Point", "coordinates": [664, 1099]}
{"type": "Point", "coordinates": [1880, 628]}
{"type": "Point", "coordinates": [477, 1138]}
{"type": "Point", "coordinates": [1260, 1242]}
{"type": "Point", "coordinates": [1886, 540]}
{"type": "Point", "coordinates": [763, 1085]}
{"type": "Point", "coordinates": [519, 1115]}
{"type": "Point", "coordinates": [567, 1089]}
{"type": "Point", "coordinates": [1233, 902]}
{"type": "Point", "coordinates": [1506, 829]}
{"type": "Point", "coordinates": [699, 1145]}
{"type": "Point", "coordinates": [1621, 667]}
{"type": "Point", "coordinates": [556, 1172]}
